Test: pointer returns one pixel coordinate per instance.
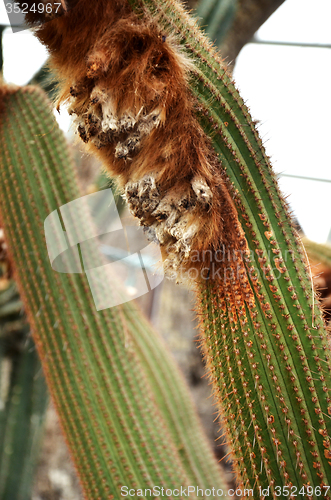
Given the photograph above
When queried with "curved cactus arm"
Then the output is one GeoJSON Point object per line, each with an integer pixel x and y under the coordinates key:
{"type": "Point", "coordinates": [120, 399]}
{"type": "Point", "coordinates": [267, 354]}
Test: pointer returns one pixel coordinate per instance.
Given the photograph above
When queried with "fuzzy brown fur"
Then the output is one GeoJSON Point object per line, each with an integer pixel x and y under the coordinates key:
{"type": "Point", "coordinates": [126, 84]}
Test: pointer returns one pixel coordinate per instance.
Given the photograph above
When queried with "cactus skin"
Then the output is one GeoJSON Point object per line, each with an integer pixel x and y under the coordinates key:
{"type": "Point", "coordinates": [123, 406]}
{"type": "Point", "coordinates": [269, 363]}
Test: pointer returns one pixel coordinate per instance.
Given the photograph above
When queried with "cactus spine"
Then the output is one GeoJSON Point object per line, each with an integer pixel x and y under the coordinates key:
{"type": "Point", "coordinates": [269, 362]}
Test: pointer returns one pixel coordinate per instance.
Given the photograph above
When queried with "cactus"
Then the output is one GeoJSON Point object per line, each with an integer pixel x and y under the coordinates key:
{"type": "Point", "coordinates": [21, 420]}
{"type": "Point", "coordinates": [23, 392]}
{"type": "Point", "coordinates": [262, 330]}
{"type": "Point", "coordinates": [269, 361]}
{"type": "Point", "coordinates": [123, 406]}
{"type": "Point", "coordinates": [216, 16]}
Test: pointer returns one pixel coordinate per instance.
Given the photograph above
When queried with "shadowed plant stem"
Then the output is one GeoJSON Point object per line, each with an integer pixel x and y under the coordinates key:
{"type": "Point", "coordinates": [269, 362]}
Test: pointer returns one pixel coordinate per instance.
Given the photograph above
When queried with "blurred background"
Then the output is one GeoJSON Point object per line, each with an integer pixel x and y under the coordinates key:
{"type": "Point", "coordinates": [280, 57]}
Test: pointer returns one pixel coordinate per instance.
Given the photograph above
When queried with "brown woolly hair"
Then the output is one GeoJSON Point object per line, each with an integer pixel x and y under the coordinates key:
{"type": "Point", "coordinates": [125, 82]}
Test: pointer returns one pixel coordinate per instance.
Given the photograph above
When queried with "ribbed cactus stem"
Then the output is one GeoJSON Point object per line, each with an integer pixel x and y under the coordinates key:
{"type": "Point", "coordinates": [125, 412]}
{"type": "Point", "coordinates": [268, 358]}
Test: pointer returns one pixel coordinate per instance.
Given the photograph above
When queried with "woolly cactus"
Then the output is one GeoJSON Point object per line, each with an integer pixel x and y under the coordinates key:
{"type": "Point", "coordinates": [262, 330]}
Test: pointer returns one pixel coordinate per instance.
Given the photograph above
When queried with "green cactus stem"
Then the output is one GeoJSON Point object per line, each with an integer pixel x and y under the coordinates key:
{"type": "Point", "coordinates": [123, 407]}
{"type": "Point", "coordinates": [269, 361]}
{"type": "Point", "coordinates": [216, 17]}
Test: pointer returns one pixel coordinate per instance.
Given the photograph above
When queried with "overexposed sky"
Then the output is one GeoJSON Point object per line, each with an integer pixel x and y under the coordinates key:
{"type": "Point", "coordinates": [287, 88]}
